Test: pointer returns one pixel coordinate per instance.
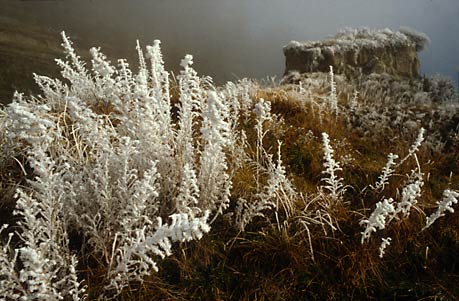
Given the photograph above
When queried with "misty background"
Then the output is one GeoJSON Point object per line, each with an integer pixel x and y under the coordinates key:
{"type": "Point", "coordinates": [237, 38]}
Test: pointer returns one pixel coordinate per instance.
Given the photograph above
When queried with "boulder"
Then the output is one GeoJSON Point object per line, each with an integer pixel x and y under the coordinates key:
{"type": "Point", "coordinates": [353, 52]}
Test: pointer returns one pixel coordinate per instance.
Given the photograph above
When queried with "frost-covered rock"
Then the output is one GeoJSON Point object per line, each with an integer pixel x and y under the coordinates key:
{"type": "Point", "coordinates": [355, 51]}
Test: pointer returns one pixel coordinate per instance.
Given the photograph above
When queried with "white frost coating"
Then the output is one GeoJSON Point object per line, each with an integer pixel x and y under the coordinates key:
{"type": "Point", "coordinates": [215, 129]}
{"type": "Point", "coordinates": [100, 64]}
{"type": "Point", "coordinates": [136, 257]}
{"type": "Point", "coordinates": [351, 38]}
{"type": "Point", "coordinates": [187, 61]}
{"type": "Point", "coordinates": [410, 193]}
{"type": "Point", "coordinates": [446, 204]}
{"type": "Point", "coordinates": [334, 184]}
{"type": "Point", "coordinates": [377, 219]}
{"type": "Point", "coordinates": [385, 242]}
{"type": "Point", "coordinates": [387, 172]}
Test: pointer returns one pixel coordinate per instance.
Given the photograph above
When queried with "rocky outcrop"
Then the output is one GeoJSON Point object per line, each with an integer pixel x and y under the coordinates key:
{"type": "Point", "coordinates": [359, 51]}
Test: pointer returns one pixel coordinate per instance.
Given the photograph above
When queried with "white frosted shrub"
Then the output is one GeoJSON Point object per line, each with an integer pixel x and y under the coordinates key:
{"type": "Point", "coordinates": [387, 210]}
{"type": "Point", "coordinates": [111, 164]}
{"type": "Point", "coordinates": [9, 278]}
{"type": "Point", "coordinates": [81, 84]}
{"type": "Point", "coordinates": [441, 88]}
{"type": "Point", "coordinates": [161, 85]}
{"type": "Point", "coordinates": [188, 195]}
{"type": "Point", "coordinates": [190, 102]}
{"type": "Point", "coordinates": [28, 122]}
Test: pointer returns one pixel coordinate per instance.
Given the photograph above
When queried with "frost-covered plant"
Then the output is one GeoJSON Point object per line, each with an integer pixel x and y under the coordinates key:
{"type": "Point", "coordinates": [334, 184]}
{"type": "Point", "coordinates": [116, 161]}
{"type": "Point", "coordinates": [410, 193]}
{"type": "Point", "coordinates": [278, 192]}
{"type": "Point", "coordinates": [113, 196]}
{"type": "Point", "coordinates": [48, 268]}
{"type": "Point", "coordinates": [446, 204]}
{"type": "Point", "coordinates": [9, 279]}
{"type": "Point", "coordinates": [387, 172]}
{"type": "Point", "coordinates": [415, 146]}
{"type": "Point", "coordinates": [353, 103]}
{"type": "Point", "coordinates": [75, 72]}
{"type": "Point", "coordinates": [385, 242]}
{"type": "Point", "coordinates": [262, 111]}
{"type": "Point", "coordinates": [159, 80]}
{"type": "Point", "coordinates": [188, 195]}
{"type": "Point", "coordinates": [246, 211]}
{"type": "Point", "coordinates": [246, 90]}
{"type": "Point", "coordinates": [215, 182]}
{"type": "Point", "coordinates": [377, 219]}
{"type": "Point", "coordinates": [419, 38]}
{"type": "Point", "coordinates": [135, 258]}
{"type": "Point", "coordinates": [333, 98]}
{"type": "Point", "coordinates": [29, 123]}
{"type": "Point", "coordinates": [440, 88]}
{"type": "Point", "coordinates": [103, 74]}
{"type": "Point", "coordinates": [387, 210]}
{"type": "Point", "coordinates": [279, 188]}
{"type": "Point", "coordinates": [191, 100]}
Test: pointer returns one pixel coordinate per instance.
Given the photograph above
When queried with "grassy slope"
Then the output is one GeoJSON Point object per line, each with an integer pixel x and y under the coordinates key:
{"type": "Point", "coordinates": [271, 263]}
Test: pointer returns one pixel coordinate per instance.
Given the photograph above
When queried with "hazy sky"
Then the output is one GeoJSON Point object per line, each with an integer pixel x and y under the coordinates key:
{"type": "Point", "coordinates": [244, 38]}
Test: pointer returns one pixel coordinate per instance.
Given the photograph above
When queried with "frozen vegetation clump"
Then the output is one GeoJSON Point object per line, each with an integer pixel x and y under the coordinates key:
{"type": "Point", "coordinates": [113, 164]}
{"type": "Point", "coordinates": [119, 173]}
{"type": "Point", "coordinates": [351, 38]}
{"type": "Point", "coordinates": [110, 163]}
{"type": "Point", "coordinates": [440, 88]}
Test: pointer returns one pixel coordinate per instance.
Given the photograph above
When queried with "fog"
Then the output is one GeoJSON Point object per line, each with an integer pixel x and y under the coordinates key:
{"type": "Point", "coordinates": [231, 39]}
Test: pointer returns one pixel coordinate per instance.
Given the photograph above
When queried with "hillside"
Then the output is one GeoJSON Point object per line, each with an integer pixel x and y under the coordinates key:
{"type": "Point", "coordinates": [28, 47]}
{"type": "Point", "coordinates": [134, 185]}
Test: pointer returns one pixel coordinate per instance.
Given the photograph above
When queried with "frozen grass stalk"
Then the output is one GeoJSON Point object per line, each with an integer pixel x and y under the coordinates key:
{"type": "Point", "coordinates": [334, 184]}
{"type": "Point", "coordinates": [262, 112]}
{"type": "Point", "coordinates": [333, 98]}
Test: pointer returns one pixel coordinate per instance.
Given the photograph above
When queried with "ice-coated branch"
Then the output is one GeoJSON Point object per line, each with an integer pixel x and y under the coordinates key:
{"type": "Point", "coordinates": [136, 258]}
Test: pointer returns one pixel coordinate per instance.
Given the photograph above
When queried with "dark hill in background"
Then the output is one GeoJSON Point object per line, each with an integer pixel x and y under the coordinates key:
{"type": "Point", "coordinates": [28, 47]}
